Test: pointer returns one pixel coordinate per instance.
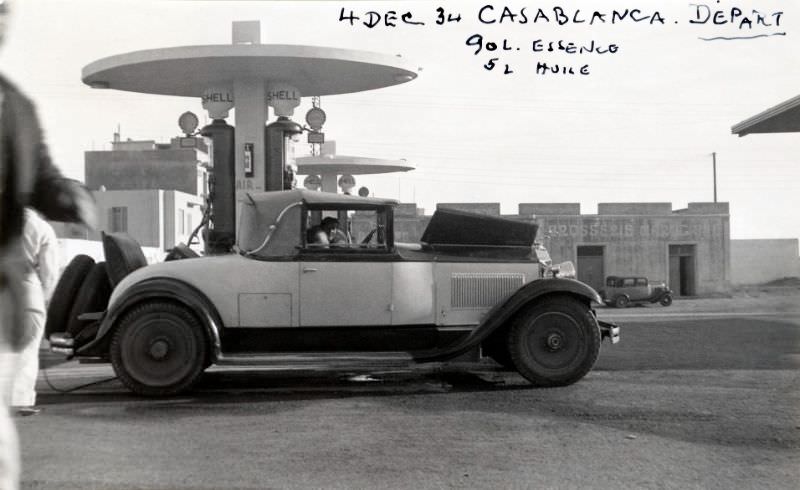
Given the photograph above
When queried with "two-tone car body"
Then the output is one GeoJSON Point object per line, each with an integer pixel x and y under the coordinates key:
{"type": "Point", "coordinates": [474, 282]}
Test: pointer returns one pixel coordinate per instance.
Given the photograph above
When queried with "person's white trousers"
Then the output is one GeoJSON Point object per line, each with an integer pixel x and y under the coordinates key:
{"type": "Point", "coordinates": [23, 388]}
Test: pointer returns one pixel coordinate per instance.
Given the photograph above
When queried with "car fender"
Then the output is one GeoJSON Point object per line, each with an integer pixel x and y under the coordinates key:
{"type": "Point", "coordinates": [657, 297]}
{"type": "Point", "coordinates": [505, 310]}
{"type": "Point", "coordinates": [622, 295]}
{"type": "Point", "coordinates": [162, 288]}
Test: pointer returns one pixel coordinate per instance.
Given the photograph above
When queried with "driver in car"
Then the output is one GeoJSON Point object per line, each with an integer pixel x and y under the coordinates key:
{"type": "Point", "coordinates": [316, 237]}
{"type": "Point", "coordinates": [335, 235]}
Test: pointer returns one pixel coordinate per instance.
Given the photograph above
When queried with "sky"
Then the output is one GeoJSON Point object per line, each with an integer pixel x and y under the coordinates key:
{"type": "Point", "coordinates": [640, 127]}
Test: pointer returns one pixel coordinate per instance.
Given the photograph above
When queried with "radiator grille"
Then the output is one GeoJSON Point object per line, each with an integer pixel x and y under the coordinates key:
{"type": "Point", "coordinates": [482, 289]}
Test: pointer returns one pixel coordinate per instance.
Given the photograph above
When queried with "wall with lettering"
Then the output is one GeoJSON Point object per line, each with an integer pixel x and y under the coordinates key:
{"type": "Point", "coordinates": [639, 245]}
{"type": "Point", "coordinates": [633, 245]}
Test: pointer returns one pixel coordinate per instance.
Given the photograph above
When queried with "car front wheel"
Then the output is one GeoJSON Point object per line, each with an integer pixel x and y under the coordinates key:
{"type": "Point", "coordinates": [159, 349]}
{"type": "Point", "coordinates": [621, 301]}
{"type": "Point", "coordinates": [666, 300]}
{"type": "Point", "coordinates": [554, 342]}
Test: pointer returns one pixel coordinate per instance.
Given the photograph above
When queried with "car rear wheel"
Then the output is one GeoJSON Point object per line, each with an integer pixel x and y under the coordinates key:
{"type": "Point", "coordinates": [555, 342]}
{"type": "Point", "coordinates": [64, 294]}
{"type": "Point", "coordinates": [92, 297]}
{"type": "Point", "coordinates": [621, 301]}
{"type": "Point", "coordinates": [159, 349]}
{"type": "Point", "coordinates": [666, 300]}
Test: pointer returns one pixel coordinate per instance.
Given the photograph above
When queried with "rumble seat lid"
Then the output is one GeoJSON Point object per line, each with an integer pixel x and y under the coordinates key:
{"type": "Point", "coordinates": [454, 227]}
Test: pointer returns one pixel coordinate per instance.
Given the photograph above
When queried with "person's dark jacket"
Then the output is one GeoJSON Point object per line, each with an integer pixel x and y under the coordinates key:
{"type": "Point", "coordinates": [30, 178]}
{"type": "Point", "coordinates": [27, 178]}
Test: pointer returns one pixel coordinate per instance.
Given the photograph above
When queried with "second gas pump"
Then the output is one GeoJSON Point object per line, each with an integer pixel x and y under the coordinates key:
{"type": "Point", "coordinates": [278, 170]}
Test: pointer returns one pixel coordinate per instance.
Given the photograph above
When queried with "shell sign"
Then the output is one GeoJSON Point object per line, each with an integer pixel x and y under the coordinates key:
{"type": "Point", "coordinates": [218, 101]}
{"type": "Point", "coordinates": [283, 98]}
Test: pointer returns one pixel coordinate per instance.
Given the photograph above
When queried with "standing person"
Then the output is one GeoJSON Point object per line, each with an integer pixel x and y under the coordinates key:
{"type": "Point", "coordinates": [40, 251]}
{"type": "Point", "coordinates": [27, 178]}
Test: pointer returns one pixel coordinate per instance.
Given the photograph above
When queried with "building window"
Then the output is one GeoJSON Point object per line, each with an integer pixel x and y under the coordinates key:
{"type": "Point", "coordinates": [181, 222]}
{"type": "Point", "coordinates": [189, 228]}
{"type": "Point", "coordinates": [118, 219]}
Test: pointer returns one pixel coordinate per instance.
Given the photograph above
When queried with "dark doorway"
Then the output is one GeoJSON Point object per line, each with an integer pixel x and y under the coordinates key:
{"type": "Point", "coordinates": [682, 278]}
{"type": "Point", "coordinates": [590, 265]}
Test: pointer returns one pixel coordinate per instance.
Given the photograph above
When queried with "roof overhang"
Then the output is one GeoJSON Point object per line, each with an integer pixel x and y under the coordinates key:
{"type": "Point", "coordinates": [783, 118]}
{"type": "Point", "coordinates": [189, 70]}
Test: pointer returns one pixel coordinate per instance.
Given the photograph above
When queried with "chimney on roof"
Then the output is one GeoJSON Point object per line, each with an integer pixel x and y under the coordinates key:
{"type": "Point", "coordinates": [246, 32]}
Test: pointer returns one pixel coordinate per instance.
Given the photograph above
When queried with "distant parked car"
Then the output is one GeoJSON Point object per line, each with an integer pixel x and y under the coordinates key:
{"type": "Point", "coordinates": [623, 291]}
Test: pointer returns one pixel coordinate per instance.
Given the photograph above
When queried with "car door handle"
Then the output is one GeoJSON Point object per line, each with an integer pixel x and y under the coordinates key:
{"type": "Point", "coordinates": [309, 269]}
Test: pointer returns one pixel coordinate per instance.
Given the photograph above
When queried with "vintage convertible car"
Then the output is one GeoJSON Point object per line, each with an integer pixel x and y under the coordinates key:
{"type": "Point", "coordinates": [624, 291]}
{"type": "Point", "coordinates": [473, 283]}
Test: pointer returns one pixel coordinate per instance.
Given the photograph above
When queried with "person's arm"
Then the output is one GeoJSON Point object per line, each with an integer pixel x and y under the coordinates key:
{"type": "Point", "coordinates": [59, 198]}
{"type": "Point", "coordinates": [40, 182]}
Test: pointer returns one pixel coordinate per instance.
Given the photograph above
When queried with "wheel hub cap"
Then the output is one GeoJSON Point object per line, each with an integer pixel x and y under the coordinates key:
{"type": "Point", "coordinates": [159, 349]}
{"type": "Point", "coordinates": [555, 341]}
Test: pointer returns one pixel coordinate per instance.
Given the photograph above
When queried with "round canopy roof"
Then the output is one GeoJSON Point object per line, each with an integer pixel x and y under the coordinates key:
{"type": "Point", "coordinates": [343, 164]}
{"type": "Point", "coordinates": [189, 70]}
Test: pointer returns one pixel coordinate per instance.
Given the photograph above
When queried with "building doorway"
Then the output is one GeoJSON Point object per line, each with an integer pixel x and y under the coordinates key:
{"type": "Point", "coordinates": [590, 265]}
{"type": "Point", "coordinates": [682, 277]}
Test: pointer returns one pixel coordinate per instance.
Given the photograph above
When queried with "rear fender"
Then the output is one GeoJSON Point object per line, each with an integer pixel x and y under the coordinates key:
{"type": "Point", "coordinates": [160, 288]}
{"type": "Point", "coordinates": [660, 294]}
{"type": "Point", "coordinates": [501, 313]}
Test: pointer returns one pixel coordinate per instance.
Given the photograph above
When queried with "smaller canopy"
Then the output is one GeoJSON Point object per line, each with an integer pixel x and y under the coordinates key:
{"type": "Point", "coordinates": [345, 164]}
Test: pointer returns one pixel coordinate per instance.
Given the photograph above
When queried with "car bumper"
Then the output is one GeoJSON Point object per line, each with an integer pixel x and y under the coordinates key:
{"type": "Point", "coordinates": [609, 331]}
{"type": "Point", "coordinates": [62, 343]}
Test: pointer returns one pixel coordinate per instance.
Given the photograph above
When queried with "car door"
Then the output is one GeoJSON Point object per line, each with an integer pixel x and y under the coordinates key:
{"type": "Point", "coordinates": [627, 287]}
{"type": "Point", "coordinates": [349, 292]}
{"type": "Point", "coordinates": [348, 282]}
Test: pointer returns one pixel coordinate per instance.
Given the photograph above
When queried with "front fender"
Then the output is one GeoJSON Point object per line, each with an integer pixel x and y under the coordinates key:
{"type": "Point", "coordinates": [504, 311]}
{"type": "Point", "coordinates": [161, 288]}
{"type": "Point", "coordinates": [659, 295]}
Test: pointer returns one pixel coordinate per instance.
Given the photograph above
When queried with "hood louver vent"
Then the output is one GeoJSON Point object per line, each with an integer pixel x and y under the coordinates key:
{"type": "Point", "coordinates": [482, 289]}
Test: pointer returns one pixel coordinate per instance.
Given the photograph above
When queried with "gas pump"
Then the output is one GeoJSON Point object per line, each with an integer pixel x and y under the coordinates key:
{"type": "Point", "coordinates": [279, 138]}
{"type": "Point", "coordinates": [221, 231]}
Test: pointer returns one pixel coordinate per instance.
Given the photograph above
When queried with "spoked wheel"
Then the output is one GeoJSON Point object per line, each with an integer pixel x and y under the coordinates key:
{"type": "Point", "coordinates": [159, 349]}
{"type": "Point", "coordinates": [555, 342]}
{"type": "Point", "coordinates": [666, 300]}
{"type": "Point", "coordinates": [621, 301]}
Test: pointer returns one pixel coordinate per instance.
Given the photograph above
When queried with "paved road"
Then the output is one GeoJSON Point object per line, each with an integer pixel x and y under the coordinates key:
{"type": "Point", "coordinates": [679, 403]}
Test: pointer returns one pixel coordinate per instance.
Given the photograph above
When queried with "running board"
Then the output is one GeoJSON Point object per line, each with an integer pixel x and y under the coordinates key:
{"type": "Point", "coordinates": [312, 359]}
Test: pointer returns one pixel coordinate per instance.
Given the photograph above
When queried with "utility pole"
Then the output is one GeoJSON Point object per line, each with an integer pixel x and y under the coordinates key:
{"type": "Point", "coordinates": [714, 160]}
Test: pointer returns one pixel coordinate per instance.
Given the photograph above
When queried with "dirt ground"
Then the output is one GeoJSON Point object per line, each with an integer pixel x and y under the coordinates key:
{"type": "Point", "coordinates": [702, 394]}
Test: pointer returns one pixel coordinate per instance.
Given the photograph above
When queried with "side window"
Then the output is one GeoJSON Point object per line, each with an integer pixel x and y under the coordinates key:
{"type": "Point", "coordinates": [628, 282]}
{"type": "Point", "coordinates": [610, 282]}
{"type": "Point", "coordinates": [342, 230]}
{"type": "Point", "coordinates": [641, 281]}
{"type": "Point", "coordinates": [368, 229]}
